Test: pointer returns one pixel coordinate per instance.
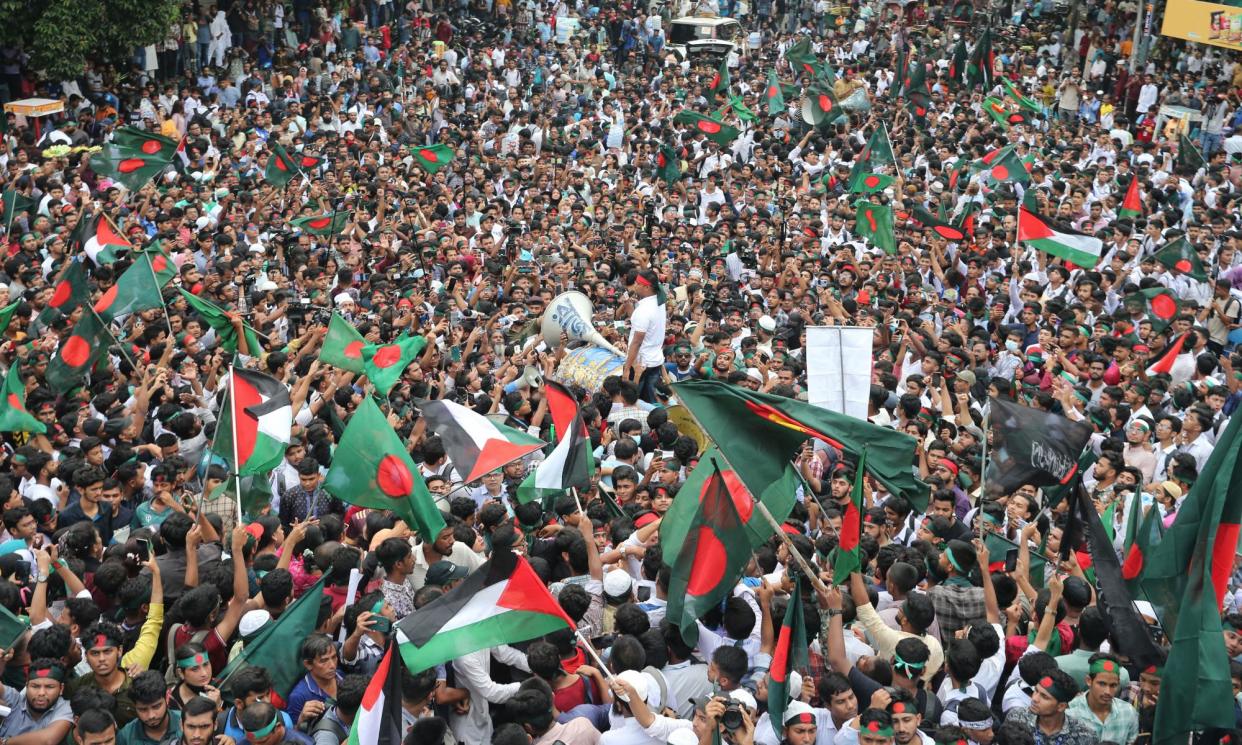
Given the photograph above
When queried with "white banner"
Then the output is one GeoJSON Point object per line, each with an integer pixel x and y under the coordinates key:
{"type": "Point", "coordinates": [838, 368]}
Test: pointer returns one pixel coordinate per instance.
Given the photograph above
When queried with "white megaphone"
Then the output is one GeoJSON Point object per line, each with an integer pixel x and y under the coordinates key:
{"type": "Point", "coordinates": [531, 378]}
{"type": "Point", "coordinates": [571, 313]}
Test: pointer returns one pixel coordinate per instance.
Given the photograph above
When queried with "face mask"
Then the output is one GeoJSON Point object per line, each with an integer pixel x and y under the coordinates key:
{"type": "Point", "coordinates": [1011, 345]}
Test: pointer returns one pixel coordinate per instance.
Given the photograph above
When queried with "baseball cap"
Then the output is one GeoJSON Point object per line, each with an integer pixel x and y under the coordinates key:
{"type": "Point", "coordinates": [443, 572]}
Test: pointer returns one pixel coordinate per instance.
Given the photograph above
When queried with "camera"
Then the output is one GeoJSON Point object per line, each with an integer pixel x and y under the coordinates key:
{"type": "Point", "coordinates": [731, 719]}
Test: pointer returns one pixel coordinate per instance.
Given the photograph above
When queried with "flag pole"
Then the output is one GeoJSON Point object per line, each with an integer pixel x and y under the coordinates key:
{"type": "Point", "coordinates": [603, 669]}
{"type": "Point", "coordinates": [233, 436]}
{"type": "Point", "coordinates": [983, 474]}
{"type": "Point", "coordinates": [163, 305]}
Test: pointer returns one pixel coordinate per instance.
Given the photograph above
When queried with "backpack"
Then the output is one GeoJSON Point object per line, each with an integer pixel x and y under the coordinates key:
{"type": "Point", "coordinates": [198, 637]}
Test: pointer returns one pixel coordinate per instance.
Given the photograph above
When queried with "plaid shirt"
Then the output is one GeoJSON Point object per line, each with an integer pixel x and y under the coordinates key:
{"type": "Point", "coordinates": [1121, 726]}
{"type": "Point", "coordinates": [957, 605]}
{"type": "Point", "coordinates": [1073, 731]}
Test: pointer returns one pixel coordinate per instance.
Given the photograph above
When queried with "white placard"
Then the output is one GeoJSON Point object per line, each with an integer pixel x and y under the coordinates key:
{"type": "Point", "coordinates": [838, 368]}
{"type": "Point", "coordinates": [565, 28]}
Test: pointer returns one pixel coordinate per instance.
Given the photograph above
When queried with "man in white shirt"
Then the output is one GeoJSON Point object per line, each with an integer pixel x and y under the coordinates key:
{"type": "Point", "coordinates": [644, 359]}
{"type": "Point", "coordinates": [473, 674]}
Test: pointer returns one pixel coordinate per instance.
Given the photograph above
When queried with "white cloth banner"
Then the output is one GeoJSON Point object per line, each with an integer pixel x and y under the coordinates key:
{"type": "Point", "coordinates": [838, 368]}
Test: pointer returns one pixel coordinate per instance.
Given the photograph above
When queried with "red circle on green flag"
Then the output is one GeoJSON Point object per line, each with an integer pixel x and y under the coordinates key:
{"type": "Point", "coordinates": [319, 223]}
{"type": "Point", "coordinates": [15, 402]}
{"type": "Point", "coordinates": [61, 294]}
{"type": "Point", "coordinates": [871, 181]}
{"type": "Point", "coordinates": [742, 501]}
{"type": "Point", "coordinates": [1000, 173]}
{"type": "Point", "coordinates": [808, 67]}
{"type": "Point", "coordinates": [106, 300]}
{"type": "Point", "coordinates": [159, 263]}
{"type": "Point", "coordinates": [948, 232]}
{"type": "Point", "coordinates": [709, 563]}
{"type": "Point", "coordinates": [660, 160]}
{"type": "Point", "coordinates": [825, 103]}
{"type": "Point", "coordinates": [429, 155]}
{"type": "Point", "coordinates": [353, 350]}
{"type": "Point", "coordinates": [393, 478]}
{"type": "Point", "coordinates": [708, 126]}
{"type": "Point", "coordinates": [280, 164]}
{"type": "Point", "coordinates": [772, 91]}
{"type": "Point", "coordinates": [76, 351]}
{"type": "Point", "coordinates": [1164, 306]}
{"type": "Point", "coordinates": [387, 356]}
{"type": "Point", "coordinates": [308, 162]}
{"type": "Point", "coordinates": [716, 81]}
{"type": "Point", "coordinates": [151, 147]}
{"type": "Point", "coordinates": [1182, 265]}
{"type": "Point", "coordinates": [129, 165]}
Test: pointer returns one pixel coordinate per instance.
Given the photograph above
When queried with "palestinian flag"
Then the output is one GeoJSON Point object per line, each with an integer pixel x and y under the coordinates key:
{"type": "Point", "coordinates": [276, 647]}
{"type": "Point", "coordinates": [570, 464]}
{"type": "Point", "coordinates": [957, 63]}
{"type": "Point", "coordinates": [69, 290]}
{"type": "Point", "coordinates": [281, 167]}
{"type": "Point", "coordinates": [99, 239]}
{"type": "Point", "coordinates": [331, 223]}
{"type": "Point", "coordinates": [140, 287]}
{"type": "Point", "coordinates": [1030, 104]}
{"type": "Point", "coordinates": [255, 424]}
{"type": "Point", "coordinates": [789, 654]}
{"type": "Point", "coordinates": [218, 319]}
{"type": "Point", "coordinates": [13, 414]}
{"type": "Point", "coordinates": [709, 553]}
{"type": "Point", "coordinates": [801, 57]}
{"type": "Point", "coordinates": [819, 106]}
{"type": "Point", "coordinates": [1164, 365]}
{"type": "Point", "coordinates": [845, 558]}
{"type": "Point", "coordinates": [1006, 167]}
{"type": "Point", "coordinates": [78, 354]}
{"type": "Point", "coordinates": [15, 203]}
{"type": "Point", "coordinates": [666, 165]}
{"type": "Point", "coordinates": [720, 81]}
{"type": "Point", "coordinates": [1142, 535]}
{"type": "Point", "coordinates": [874, 224]}
{"type": "Point", "coordinates": [1162, 306]}
{"type": "Point", "coordinates": [255, 492]}
{"type": "Point", "coordinates": [744, 423]}
{"type": "Point", "coordinates": [981, 66]}
{"type": "Point", "coordinates": [1132, 205]}
{"type": "Point", "coordinates": [501, 602]}
{"type": "Point", "coordinates": [945, 230]}
{"type": "Point", "coordinates": [379, 719]}
{"type": "Point", "coordinates": [372, 468]}
{"type": "Point", "coordinates": [342, 345]}
{"type": "Point", "coordinates": [1180, 257]}
{"type": "Point", "coordinates": [774, 95]}
{"type": "Point", "coordinates": [1189, 159]}
{"type": "Point", "coordinates": [384, 363]}
{"type": "Point", "coordinates": [1062, 241]}
{"type": "Point", "coordinates": [475, 444]}
{"type": "Point", "coordinates": [432, 158]}
{"type": "Point", "coordinates": [715, 130]}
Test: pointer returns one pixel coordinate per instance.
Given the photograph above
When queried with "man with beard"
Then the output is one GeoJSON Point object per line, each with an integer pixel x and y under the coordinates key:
{"type": "Point", "coordinates": [443, 547]}
{"type": "Point", "coordinates": [41, 715]}
{"type": "Point", "coordinates": [156, 723]}
{"type": "Point", "coordinates": [102, 643]}
{"type": "Point", "coordinates": [198, 723]}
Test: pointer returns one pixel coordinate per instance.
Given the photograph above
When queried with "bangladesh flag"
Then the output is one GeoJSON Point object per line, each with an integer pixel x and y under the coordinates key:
{"type": "Point", "coordinates": [666, 165]}
{"type": "Point", "coordinates": [281, 167]}
{"type": "Point", "coordinates": [1032, 447]}
{"type": "Point", "coordinates": [779, 502]}
{"type": "Point", "coordinates": [1162, 306]}
{"type": "Point", "coordinates": [218, 319]}
{"type": "Point", "coordinates": [999, 547]}
{"type": "Point", "coordinates": [277, 647]}
{"type": "Point", "coordinates": [99, 239]}
{"type": "Point", "coordinates": [70, 290]}
{"type": "Point", "coordinates": [1189, 159]}
{"type": "Point", "coordinates": [379, 719]}
{"type": "Point", "coordinates": [78, 354]}
{"type": "Point", "coordinates": [918, 105]}
{"type": "Point", "coordinates": [801, 57]}
{"type": "Point", "coordinates": [384, 363]}
{"type": "Point", "coordinates": [819, 106]}
{"type": "Point", "coordinates": [1180, 257]}
{"type": "Point", "coordinates": [845, 558]}
{"type": "Point", "coordinates": [140, 287]}
{"type": "Point", "coordinates": [1143, 533]}
{"type": "Point", "coordinates": [738, 420]}
{"type": "Point", "coordinates": [869, 183]}
{"type": "Point", "coordinates": [874, 224]}
{"type": "Point", "coordinates": [774, 95]}
{"type": "Point", "coordinates": [372, 468]}
{"type": "Point", "coordinates": [131, 168]}
{"type": "Point", "coordinates": [331, 223]}
{"type": "Point", "coordinates": [571, 464]}
{"type": "Point", "coordinates": [710, 552]}
{"type": "Point", "coordinates": [1022, 101]}
{"type": "Point", "coordinates": [308, 162]}
{"type": "Point", "coordinates": [475, 444]}
{"type": "Point", "coordinates": [957, 63]}
{"type": "Point", "coordinates": [743, 112]}
{"type": "Point", "coordinates": [1132, 205]}
{"type": "Point", "coordinates": [878, 151]}
{"type": "Point", "coordinates": [1042, 233]}
{"type": "Point", "coordinates": [944, 229]}
{"type": "Point", "coordinates": [501, 602]}
{"type": "Point", "coordinates": [914, 79]}
{"type": "Point", "coordinates": [899, 69]}
{"type": "Point", "coordinates": [14, 203]}
{"type": "Point", "coordinates": [981, 66]}
{"type": "Point", "coordinates": [432, 158]}
{"type": "Point", "coordinates": [720, 81]}
{"type": "Point", "coordinates": [146, 144]}
{"type": "Point", "coordinates": [13, 414]}
{"type": "Point", "coordinates": [1006, 167]}
{"type": "Point", "coordinates": [256, 422]}
{"type": "Point", "coordinates": [995, 108]}
{"type": "Point", "coordinates": [715, 130]}
{"type": "Point", "coordinates": [789, 654]}
{"type": "Point", "coordinates": [342, 345]}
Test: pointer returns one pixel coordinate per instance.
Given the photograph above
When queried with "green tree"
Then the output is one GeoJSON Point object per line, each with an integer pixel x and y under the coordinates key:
{"type": "Point", "coordinates": [61, 35]}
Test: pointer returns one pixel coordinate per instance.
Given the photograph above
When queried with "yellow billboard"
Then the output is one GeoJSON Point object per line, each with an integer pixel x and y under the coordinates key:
{"type": "Point", "coordinates": [1207, 23]}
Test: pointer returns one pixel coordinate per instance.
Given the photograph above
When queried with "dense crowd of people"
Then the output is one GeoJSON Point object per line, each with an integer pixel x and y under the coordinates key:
{"type": "Point", "coordinates": [136, 580]}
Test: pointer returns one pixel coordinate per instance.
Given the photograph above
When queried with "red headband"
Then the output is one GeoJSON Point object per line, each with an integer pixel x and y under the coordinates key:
{"type": "Point", "coordinates": [640, 279]}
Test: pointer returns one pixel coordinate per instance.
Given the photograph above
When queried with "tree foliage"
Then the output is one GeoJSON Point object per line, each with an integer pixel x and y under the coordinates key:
{"type": "Point", "coordinates": [61, 35]}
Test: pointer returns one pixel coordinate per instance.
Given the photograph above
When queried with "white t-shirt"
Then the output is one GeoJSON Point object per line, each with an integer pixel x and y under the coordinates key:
{"type": "Point", "coordinates": [648, 317]}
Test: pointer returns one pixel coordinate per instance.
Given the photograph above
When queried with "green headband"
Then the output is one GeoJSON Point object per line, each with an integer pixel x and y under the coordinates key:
{"type": "Point", "coordinates": [875, 730]}
{"type": "Point", "coordinates": [1056, 691]}
{"type": "Point", "coordinates": [55, 672]}
{"type": "Point", "coordinates": [1104, 666]}
{"type": "Point", "coordinates": [193, 660]}
{"type": "Point", "coordinates": [267, 730]}
{"type": "Point", "coordinates": [991, 518]}
{"type": "Point", "coordinates": [911, 665]}
{"type": "Point", "coordinates": [379, 606]}
{"type": "Point", "coordinates": [948, 552]}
